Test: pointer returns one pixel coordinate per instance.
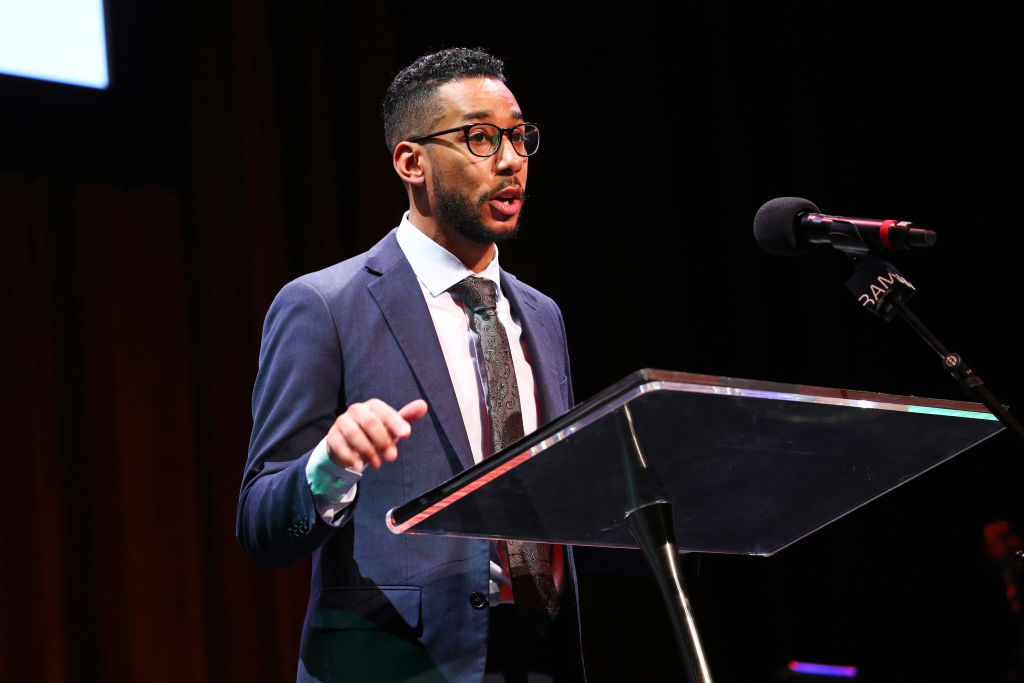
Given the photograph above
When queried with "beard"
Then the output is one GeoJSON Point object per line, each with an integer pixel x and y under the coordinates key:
{"type": "Point", "coordinates": [462, 214]}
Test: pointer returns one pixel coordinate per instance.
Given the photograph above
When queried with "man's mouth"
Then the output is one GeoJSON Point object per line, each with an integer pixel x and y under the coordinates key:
{"type": "Point", "coordinates": [507, 201]}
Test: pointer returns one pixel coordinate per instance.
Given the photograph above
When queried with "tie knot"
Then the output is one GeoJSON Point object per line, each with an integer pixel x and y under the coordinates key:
{"type": "Point", "coordinates": [476, 292]}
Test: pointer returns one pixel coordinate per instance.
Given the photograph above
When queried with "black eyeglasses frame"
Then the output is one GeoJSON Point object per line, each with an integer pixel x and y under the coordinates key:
{"type": "Point", "coordinates": [501, 132]}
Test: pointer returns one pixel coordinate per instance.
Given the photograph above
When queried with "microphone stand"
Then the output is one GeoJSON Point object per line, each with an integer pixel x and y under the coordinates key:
{"type": "Point", "coordinates": [883, 290]}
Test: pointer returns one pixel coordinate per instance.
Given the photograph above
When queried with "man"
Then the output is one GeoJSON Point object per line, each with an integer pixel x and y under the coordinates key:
{"type": "Point", "coordinates": [374, 386]}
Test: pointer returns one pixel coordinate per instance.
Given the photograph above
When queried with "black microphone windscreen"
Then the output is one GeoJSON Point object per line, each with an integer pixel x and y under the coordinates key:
{"type": "Point", "coordinates": [774, 225]}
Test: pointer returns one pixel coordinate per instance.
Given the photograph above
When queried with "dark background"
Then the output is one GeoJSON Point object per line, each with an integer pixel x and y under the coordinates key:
{"type": "Point", "coordinates": [147, 227]}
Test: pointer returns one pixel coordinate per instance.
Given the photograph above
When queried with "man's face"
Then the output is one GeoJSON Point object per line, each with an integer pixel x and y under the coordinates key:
{"type": "Point", "coordinates": [479, 198]}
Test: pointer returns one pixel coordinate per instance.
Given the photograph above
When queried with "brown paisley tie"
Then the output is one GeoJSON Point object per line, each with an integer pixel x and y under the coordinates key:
{"type": "Point", "coordinates": [529, 563]}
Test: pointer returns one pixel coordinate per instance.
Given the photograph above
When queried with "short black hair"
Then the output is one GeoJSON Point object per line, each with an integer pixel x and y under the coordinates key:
{"type": "Point", "coordinates": [409, 101]}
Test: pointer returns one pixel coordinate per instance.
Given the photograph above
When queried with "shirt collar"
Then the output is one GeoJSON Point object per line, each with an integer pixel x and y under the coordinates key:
{"type": "Point", "coordinates": [436, 267]}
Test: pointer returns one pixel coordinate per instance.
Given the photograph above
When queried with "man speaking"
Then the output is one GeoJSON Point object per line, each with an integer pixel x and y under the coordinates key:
{"type": "Point", "coordinates": [386, 374]}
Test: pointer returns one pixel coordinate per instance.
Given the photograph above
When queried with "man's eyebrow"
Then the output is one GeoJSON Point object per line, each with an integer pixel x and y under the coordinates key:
{"type": "Point", "coordinates": [486, 114]}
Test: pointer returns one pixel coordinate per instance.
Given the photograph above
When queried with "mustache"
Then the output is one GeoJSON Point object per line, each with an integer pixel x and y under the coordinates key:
{"type": "Point", "coordinates": [485, 196]}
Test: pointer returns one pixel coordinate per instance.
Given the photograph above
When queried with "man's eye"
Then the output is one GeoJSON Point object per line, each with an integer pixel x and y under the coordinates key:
{"type": "Point", "coordinates": [516, 136]}
{"type": "Point", "coordinates": [478, 136]}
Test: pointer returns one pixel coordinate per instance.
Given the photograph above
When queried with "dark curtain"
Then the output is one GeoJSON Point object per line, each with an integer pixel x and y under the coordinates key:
{"type": "Point", "coordinates": [147, 228]}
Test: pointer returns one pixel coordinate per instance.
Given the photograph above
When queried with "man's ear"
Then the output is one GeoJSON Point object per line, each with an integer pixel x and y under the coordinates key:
{"type": "Point", "coordinates": [410, 161]}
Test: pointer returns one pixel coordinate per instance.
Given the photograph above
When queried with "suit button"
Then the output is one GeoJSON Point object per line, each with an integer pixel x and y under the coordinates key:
{"type": "Point", "coordinates": [298, 528]}
{"type": "Point", "coordinates": [478, 600]}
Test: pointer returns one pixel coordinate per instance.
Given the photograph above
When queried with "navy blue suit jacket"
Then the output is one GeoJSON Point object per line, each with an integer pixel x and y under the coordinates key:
{"type": "Point", "coordinates": [381, 607]}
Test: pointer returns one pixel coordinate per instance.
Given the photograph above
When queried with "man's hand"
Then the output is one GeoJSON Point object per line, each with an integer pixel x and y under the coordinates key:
{"type": "Point", "coordinates": [368, 433]}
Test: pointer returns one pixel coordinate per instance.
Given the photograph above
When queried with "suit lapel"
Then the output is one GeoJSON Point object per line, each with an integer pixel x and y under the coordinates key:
{"type": "Point", "coordinates": [543, 346]}
{"type": "Point", "coordinates": [400, 299]}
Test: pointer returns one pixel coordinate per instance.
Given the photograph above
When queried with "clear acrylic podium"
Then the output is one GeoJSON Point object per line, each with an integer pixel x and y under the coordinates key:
{"type": "Point", "coordinates": [669, 462]}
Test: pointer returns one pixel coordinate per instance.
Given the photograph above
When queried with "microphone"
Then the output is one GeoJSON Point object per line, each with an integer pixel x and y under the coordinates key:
{"type": "Point", "coordinates": [790, 226]}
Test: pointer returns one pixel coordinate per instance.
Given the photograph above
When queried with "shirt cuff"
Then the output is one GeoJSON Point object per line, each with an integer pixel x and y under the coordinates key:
{"type": "Point", "coordinates": [333, 487]}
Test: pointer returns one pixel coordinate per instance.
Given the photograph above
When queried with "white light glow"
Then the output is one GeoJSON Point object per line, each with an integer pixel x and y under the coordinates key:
{"type": "Point", "coordinates": [54, 40]}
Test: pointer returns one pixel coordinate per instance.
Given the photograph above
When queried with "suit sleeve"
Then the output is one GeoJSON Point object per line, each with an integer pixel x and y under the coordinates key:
{"type": "Point", "coordinates": [297, 395]}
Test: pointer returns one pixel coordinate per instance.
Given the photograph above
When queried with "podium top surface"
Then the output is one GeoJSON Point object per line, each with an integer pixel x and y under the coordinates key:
{"type": "Point", "coordinates": [749, 467]}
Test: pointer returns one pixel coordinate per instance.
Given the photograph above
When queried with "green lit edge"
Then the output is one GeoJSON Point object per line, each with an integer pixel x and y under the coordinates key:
{"type": "Point", "coordinates": [952, 413]}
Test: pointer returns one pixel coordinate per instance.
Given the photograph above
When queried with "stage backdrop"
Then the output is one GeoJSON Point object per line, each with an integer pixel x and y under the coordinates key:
{"type": "Point", "coordinates": [147, 227]}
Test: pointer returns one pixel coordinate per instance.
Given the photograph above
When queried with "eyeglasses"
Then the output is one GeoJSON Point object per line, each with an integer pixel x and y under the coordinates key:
{"type": "Point", "coordinates": [483, 139]}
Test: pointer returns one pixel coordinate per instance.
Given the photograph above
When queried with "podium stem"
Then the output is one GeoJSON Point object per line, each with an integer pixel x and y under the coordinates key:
{"type": "Point", "coordinates": [653, 529]}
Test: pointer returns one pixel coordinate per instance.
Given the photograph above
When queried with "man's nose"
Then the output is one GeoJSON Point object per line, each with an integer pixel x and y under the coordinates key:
{"type": "Point", "coordinates": [508, 160]}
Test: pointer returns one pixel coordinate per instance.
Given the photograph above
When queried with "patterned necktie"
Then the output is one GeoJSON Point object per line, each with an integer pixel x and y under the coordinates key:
{"type": "Point", "coordinates": [529, 563]}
